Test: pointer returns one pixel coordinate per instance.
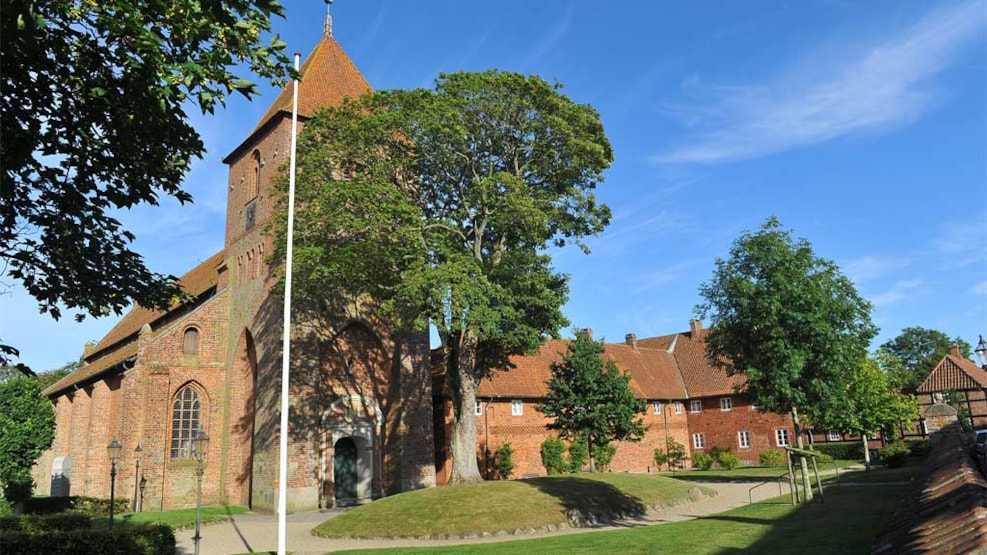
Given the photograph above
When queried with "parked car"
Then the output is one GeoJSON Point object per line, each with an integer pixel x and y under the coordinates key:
{"type": "Point", "coordinates": [980, 449]}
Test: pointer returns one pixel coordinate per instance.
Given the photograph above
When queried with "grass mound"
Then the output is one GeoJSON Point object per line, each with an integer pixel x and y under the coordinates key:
{"type": "Point", "coordinates": [507, 506]}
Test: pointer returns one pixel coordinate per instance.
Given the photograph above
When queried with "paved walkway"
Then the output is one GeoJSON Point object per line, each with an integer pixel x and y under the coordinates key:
{"type": "Point", "coordinates": [254, 532]}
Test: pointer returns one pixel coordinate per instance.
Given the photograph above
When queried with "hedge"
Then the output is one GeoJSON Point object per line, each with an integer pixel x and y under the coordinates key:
{"type": "Point", "coordinates": [843, 450]}
{"type": "Point", "coordinates": [144, 539]}
{"type": "Point", "coordinates": [91, 506]}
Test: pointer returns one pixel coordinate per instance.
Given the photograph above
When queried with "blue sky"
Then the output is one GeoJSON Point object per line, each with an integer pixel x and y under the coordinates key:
{"type": "Point", "coordinates": [860, 125]}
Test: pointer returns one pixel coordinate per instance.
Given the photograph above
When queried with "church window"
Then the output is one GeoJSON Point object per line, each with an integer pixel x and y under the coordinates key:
{"type": "Point", "coordinates": [255, 186]}
{"type": "Point", "coordinates": [190, 346]}
{"type": "Point", "coordinates": [184, 423]}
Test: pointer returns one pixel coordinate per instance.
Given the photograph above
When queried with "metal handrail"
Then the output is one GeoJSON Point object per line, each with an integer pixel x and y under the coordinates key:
{"type": "Point", "coordinates": [750, 492]}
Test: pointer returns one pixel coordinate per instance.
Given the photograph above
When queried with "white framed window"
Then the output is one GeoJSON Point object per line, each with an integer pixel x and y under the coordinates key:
{"type": "Point", "coordinates": [517, 407]}
{"type": "Point", "coordinates": [695, 406]}
{"type": "Point", "coordinates": [656, 407]}
{"type": "Point", "coordinates": [744, 439]}
{"type": "Point", "coordinates": [678, 407]}
{"type": "Point", "coordinates": [698, 441]}
{"type": "Point", "coordinates": [781, 437]}
{"type": "Point", "coordinates": [478, 407]}
{"type": "Point", "coordinates": [726, 403]}
{"type": "Point", "coordinates": [834, 435]}
{"type": "Point", "coordinates": [753, 407]}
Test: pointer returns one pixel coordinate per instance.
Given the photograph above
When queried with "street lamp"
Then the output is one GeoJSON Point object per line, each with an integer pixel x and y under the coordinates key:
{"type": "Point", "coordinates": [137, 473]}
{"type": "Point", "coordinates": [140, 506]}
{"type": "Point", "coordinates": [199, 445]}
{"type": "Point", "coordinates": [981, 351]}
{"type": "Point", "coordinates": [113, 450]}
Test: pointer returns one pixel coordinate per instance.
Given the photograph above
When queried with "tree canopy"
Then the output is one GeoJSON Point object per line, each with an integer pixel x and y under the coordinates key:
{"type": "Point", "coordinates": [441, 203]}
{"type": "Point", "coordinates": [27, 428]}
{"type": "Point", "coordinates": [94, 120]}
{"type": "Point", "coordinates": [590, 399]}
{"type": "Point", "coordinates": [919, 350]}
{"type": "Point", "coordinates": [787, 320]}
{"type": "Point", "coordinates": [871, 403]}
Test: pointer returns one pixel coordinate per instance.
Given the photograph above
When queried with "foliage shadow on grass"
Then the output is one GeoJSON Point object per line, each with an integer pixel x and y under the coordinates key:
{"type": "Point", "coordinates": [600, 500]}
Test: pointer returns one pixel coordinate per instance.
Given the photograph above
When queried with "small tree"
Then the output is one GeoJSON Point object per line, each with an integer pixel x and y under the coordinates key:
{"type": "Point", "coordinates": [590, 399]}
{"type": "Point", "coordinates": [788, 321]}
{"type": "Point", "coordinates": [504, 460]}
{"type": "Point", "coordinates": [27, 428]}
{"type": "Point", "coordinates": [871, 404]}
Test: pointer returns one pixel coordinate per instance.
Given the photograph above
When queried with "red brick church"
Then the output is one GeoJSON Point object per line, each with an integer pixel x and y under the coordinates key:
{"type": "Point", "coordinates": [361, 415]}
{"type": "Point", "coordinates": [367, 419]}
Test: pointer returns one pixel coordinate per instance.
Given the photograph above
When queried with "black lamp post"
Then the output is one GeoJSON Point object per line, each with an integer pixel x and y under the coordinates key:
{"type": "Point", "coordinates": [113, 450]}
{"type": "Point", "coordinates": [137, 473]}
{"type": "Point", "coordinates": [981, 351]}
{"type": "Point", "coordinates": [199, 445]}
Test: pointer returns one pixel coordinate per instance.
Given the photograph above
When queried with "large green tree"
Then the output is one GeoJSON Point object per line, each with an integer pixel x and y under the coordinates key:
{"type": "Point", "coordinates": [493, 168]}
{"type": "Point", "coordinates": [787, 320]}
{"type": "Point", "coordinates": [27, 428]}
{"type": "Point", "coordinates": [919, 350]}
{"type": "Point", "coordinates": [871, 403]}
{"type": "Point", "coordinates": [590, 399]}
{"type": "Point", "coordinates": [94, 120]}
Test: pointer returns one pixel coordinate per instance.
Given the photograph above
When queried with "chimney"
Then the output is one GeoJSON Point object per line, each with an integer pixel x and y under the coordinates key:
{"type": "Point", "coordinates": [631, 340]}
{"type": "Point", "coordinates": [954, 350]}
{"type": "Point", "coordinates": [695, 326]}
{"type": "Point", "coordinates": [88, 349]}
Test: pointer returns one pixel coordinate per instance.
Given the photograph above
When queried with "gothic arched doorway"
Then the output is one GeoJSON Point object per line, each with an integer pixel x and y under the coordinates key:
{"type": "Point", "coordinates": [344, 469]}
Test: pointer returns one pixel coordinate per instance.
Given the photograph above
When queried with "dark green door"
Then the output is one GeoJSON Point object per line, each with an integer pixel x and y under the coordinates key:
{"type": "Point", "coordinates": [344, 468]}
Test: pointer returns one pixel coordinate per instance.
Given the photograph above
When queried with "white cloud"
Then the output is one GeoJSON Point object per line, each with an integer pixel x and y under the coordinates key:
{"type": "Point", "coordinates": [662, 276]}
{"type": "Point", "coordinates": [875, 86]}
{"type": "Point", "coordinates": [979, 289]}
{"type": "Point", "coordinates": [872, 267]}
{"type": "Point", "coordinates": [900, 291]}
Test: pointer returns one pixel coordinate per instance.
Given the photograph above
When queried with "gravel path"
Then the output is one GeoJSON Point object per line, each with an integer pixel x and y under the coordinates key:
{"type": "Point", "coordinates": [254, 532]}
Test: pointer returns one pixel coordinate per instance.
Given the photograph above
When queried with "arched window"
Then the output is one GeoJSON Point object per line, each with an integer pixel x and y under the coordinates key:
{"type": "Point", "coordinates": [191, 345]}
{"type": "Point", "coordinates": [184, 423]}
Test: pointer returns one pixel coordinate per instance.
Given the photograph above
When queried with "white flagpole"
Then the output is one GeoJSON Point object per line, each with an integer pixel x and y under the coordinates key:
{"type": "Point", "coordinates": [286, 340]}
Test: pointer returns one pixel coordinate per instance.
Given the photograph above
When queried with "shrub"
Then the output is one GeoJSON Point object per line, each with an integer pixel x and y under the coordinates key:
{"type": "Point", "coordinates": [504, 460]}
{"type": "Point", "coordinates": [676, 454]}
{"type": "Point", "coordinates": [727, 460]}
{"type": "Point", "coordinates": [702, 461]}
{"type": "Point", "coordinates": [603, 455]}
{"type": "Point", "coordinates": [578, 455]}
{"type": "Point", "coordinates": [894, 455]}
{"type": "Point", "coordinates": [845, 450]}
{"type": "Point", "coordinates": [919, 447]}
{"type": "Point", "coordinates": [48, 505]}
{"type": "Point", "coordinates": [553, 456]}
{"type": "Point", "coordinates": [94, 506]}
{"type": "Point", "coordinates": [772, 457]}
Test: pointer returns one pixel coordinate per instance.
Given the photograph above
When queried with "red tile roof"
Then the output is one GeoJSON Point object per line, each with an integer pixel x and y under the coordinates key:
{"type": "Point", "coordinates": [702, 379]}
{"type": "Point", "coordinates": [121, 343]}
{"type": "Point", "coordinates": [956, 373]}
{"type": "Point", "coordinates": [653, 372]}
{"type": "Point", "coordinates": [328, 76]}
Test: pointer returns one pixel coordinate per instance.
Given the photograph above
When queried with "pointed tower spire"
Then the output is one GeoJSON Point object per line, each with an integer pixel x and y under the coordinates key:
{"type": "Point", "coordinates": [327, 31]}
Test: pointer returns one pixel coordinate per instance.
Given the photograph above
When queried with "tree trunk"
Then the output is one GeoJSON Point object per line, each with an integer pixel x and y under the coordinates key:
{"type": "Point", "coordinates": [866, 452]}
{"type": "Point", "coordinates": [460, 362]}
{"type": "Point", "coordinates": [803, 464]}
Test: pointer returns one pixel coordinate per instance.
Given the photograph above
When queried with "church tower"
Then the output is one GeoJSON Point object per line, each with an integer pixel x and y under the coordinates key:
{"type": "Point", "coordinates": [359, 388]}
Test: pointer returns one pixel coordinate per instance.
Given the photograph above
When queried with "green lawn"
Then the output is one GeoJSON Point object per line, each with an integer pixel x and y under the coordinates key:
{"type": "Point", "coordinates": [506, 505]}
{"type": "Point", "coordinates": [846, 523]}
{"type": "Point", "coordinates": [178, 519]}
{"type": "Point", "coordinates": [751, 473]}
